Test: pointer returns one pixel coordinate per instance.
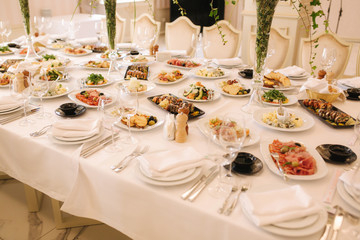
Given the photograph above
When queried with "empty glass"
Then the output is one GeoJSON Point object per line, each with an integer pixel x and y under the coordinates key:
{"type": "Point", "coordinates": [22, 88]}
{"type": "Point", "coordinates": [328, 58]}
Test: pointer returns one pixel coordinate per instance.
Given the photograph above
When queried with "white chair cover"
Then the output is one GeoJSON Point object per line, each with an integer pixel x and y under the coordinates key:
{"type": "Point", "coordinates": [182, 34]}
{"type": "Point", "coordinates": [145, 20]}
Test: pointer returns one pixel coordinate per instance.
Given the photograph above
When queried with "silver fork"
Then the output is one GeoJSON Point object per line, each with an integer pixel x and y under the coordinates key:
{"type": "Point", "coordinates": [244, 188]}
{"type": "Point", "coordinates": [41, 131]}
{"type": "Point", "coordinates": [281, 170]}
{"type": "Point", "coordinates": [125, 163]}
{"type": "Point", "coordinates": [136, 150]}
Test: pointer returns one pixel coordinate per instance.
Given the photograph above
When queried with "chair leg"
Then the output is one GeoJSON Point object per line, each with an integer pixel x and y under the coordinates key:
{"type": "Point", "coordinates": [64, 220]}
{"type": "Point", "coordinates": [4, 176]}
{"type": "Point", "coordinates": [33, 198]}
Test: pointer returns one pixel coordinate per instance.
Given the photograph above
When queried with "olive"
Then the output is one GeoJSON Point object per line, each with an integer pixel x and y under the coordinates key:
{"type": "Point", "coordinates": [101, 94]}
{"type": "Point", "coordinates": [83, 92]}
{"type": "Point", "coordinates": [152, 122]}
{"type": "Point", "coordinates": [298, 144]}
{"type": "Point", "coordinates": [284, 149]}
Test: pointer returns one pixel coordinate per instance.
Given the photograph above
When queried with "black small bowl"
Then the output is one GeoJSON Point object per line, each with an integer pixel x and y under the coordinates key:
{"type": "Point", "coordinates": [244, 162]}
{"type": "Point", "coordinates": [353, 92]}
{"type": "Point", "coordinates": [68, 108]}
{"type": "Point", "coordinates": [246, 73]}
{"type": "Point", "coordinates": [134, 52]}
{"type": "Point", "coordinates": [339, 152]}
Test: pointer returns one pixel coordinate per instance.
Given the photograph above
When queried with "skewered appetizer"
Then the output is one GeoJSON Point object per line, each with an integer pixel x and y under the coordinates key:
{"type": "Point", "coordinates": [138, 71]}
{"type": "Point", "coordinates": [328, 112]}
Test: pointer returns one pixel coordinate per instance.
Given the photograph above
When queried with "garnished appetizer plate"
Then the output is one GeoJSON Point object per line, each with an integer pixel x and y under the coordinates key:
{"type": "Point", "coordinates": [210, 73]}
{"type": "Point", "coordinates": [56, 90]}
{"type": "Point", "coordinates": [296, 122]}
{"type": "Point", "coordinates": [139, 59]}
{"type": "Point", "coordinates": [89, 97]}
{"type": "Point", "coordinates": [141, 72]}
{"type": "Point", "coordinates": [76, 52]}
{"type": "Point", "coordinates": [96, 65]}
{"type": "Point", "coordinates": [183, 63]}
{"type": "Point", "coordinates": [5, 79]}
{"type": "Point", "coordinates": [272, 97]}
{"type": "Point", "coordinates": [171, 103]}
{"type": "Point", "coordinates": [5, 50]}
{"type": "Point", "coordinates": [137, 86]}
{"type": "Point", "coordinates": [23, 52]}
{"type": "Point", "coordinates": [141, 121]}
{"type": "Point", "coordinates": [252, 136]}
{"type": "Point", "coordinates": [105, 55]}
{"type": "Point", "coordinates": [97, 80]}
{"type": "Point", "coordinates": [298, 160]}
{"type": "Point", "coordinates": [169, 77]}
{"type": "Point", "coordinates": [233, 88]}
{"type": "Point", "coordinates": [197, 92]}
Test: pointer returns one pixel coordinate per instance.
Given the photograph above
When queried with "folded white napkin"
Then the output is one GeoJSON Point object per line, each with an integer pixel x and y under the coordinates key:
{"type": "Point", "coordinates": [8, 102]}
{"type": "Point", "coordinates": [292, 71]}
{"type": "Point", "coordinates": [89, 40]}
{"type": "Point", "coordinates": [169, 162]}
{"type": "Point", "coordinates": [278, 205]}
{"type": "Point", "coordinates": [320, 86]}
{"type": "Point", "coordinates": [347, 178]}
{"type": "Point", "coordinates": [351, 82]}
{"type": "Point", "coordinates": [228, 61]}
{"type": "Point", "coordinates": [76, 128]}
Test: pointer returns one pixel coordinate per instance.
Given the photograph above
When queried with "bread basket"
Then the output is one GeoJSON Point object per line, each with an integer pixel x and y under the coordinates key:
{"type": "Point", "coordinates": [328, 97]}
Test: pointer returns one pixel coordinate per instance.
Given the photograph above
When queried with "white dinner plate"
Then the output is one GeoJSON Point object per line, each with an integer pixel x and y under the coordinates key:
{"type": "Point", "coordinates": [4, 86]}
{"type": "Point", "coordinates": [129, 59]}
{"type": "Point", "coordinates": [292, 100]}
{"type": "Point", "coordinates": [193, 72]}
{"type": "Point", "coordinates": [180, 94]}
{"type": "Point", "coordinates": [279, 88]}
{"type": "Point", "coordinates": [75, 139]}
{"type": "Point", "coordinates": [176, 177]}
{"type": "Point", "coordinates": [109, 82]}
{"type": "Point", "coordinates": [8, 53]}
{"type": "Point", "coordinates": [156, 80]}
{"type": "Point", "coordinates": [66, 86]}
{"type": "Point", "coordinates": [12, 110]}
{"type": "Point", "coordinates": [321, 168]}
{"type": "Point", "coordinates": [300, 232]}
{"type": "Point", "coordinates": [308, 121]}
{"type": "Point", "coordinates": [144, 178]}
{"type": "Point", "coordinates": [185, 68]}
{"type": "Point", "coordinates": [159, 122]}
{"type": "Point", "coordinates": [72, 96]}
{"type": "Point", "coordinates": [69, 142]}
{"type": "Point", "coordinates": [253, 138]}
{"type": "Point", "coordinates": [107, 59]}
{"type": "Point", "coordinates": [150, 86]}
{"type": "Point", "coordinates": [306, 225]}
{"type": "Point", "coordinates": [344, 194]}
{"type": "Point", "coordinates": [218, 86]}
{"type": "Point", "coordinates": [87, 52]}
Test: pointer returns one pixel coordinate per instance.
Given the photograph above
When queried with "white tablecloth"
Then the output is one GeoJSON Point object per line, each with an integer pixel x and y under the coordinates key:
{"type": "Point", "coordinates": [139, 210]}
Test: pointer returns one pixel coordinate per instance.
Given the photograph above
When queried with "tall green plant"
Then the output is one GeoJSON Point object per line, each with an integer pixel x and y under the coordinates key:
{"type": "Point", "coordinates": [24, 6]}
{"type": "Point", "coordinates": [110, 10]}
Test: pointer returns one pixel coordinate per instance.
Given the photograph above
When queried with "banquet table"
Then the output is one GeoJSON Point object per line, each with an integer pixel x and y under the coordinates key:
{"type": "Point", "coordinates": [89, 188]}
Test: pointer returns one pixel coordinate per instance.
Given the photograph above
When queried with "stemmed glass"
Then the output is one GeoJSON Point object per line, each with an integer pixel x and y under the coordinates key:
{"type": "Point", "coordinates": [99, 29]}
{"type": "Point", "coordinates": [328, 58]}
{"type": "Point", "coordinates": [73, 29]}
{"type": "Point", "coordinates": [145, 37]}
{"type": "Point", "coordinates": [130, 109]}
{"type": "Point", "coordinates": [5, 30]}
{"type": "Point", "coordinates": [41, 88]}
{"type": "Point", "coordinates": [231, 137]}
{"type": "Point", "coordinates": [22, 88]}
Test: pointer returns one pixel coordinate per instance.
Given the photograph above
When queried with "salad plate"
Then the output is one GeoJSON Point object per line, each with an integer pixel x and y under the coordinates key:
{"type": "Point", "coordinates": [9, 52]}
{"type": "Point", "coordinates": [90, 102]}
{"type": "Point", "coordinates": [321, 168]}
{"type": "Point", "coordinates": [92, 81]}
{"type": "Point", "coordinates": [202, 124]}
{"type": "Point", "coordinates": [292, 100]}
{"type": "Point", "coordinates": [169, 78]}
{"type": "Point", "coordinates": [197, 92]}
{"type": "Point", "coordinates": [148, 85]}
{"type": "Point", "coordinates": [307, 121]}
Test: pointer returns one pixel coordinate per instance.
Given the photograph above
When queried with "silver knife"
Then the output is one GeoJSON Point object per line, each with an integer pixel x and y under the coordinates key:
{"type": "Point", "coordinates": [16, 117]}
{"type": "Point", "coordinates": [339, 217]}
{"type": "Point", "coordinates": [208, 172]}
{"type": "Point", "coordinates": [203, 185]}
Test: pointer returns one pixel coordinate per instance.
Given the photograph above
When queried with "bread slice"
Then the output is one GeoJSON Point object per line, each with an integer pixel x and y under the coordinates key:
{"type": "Point", "coordinates": [276, 78]}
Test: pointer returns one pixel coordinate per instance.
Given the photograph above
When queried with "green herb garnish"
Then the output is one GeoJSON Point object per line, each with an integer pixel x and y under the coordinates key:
{"type": "Point", "coordinates": [95, 78]}
{"type": "Point", "coordinates": [5, 49]}
{"type": "Point", "coordinates": [272, 95]}
{"type": "Point", "coordinates": [48, 57]}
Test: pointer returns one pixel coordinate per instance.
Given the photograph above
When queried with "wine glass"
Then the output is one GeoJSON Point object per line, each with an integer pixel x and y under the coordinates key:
{"type": "Point", "coordinates": [99, 29]}
{"type": "Point", "coordinates": [22, 88]}
{"type": "Point", "coordinates": [73, 29]}
{"type": "Point", "coordinates": [3, 29]}
{"type": "Point", "coordinates": [109, 119]}
{"type": "Point", "coordinates": [41, 88]}
{"type": "Point", "coordinates": [7, 31]}
{"type": "Point", "coordinates": [328, 58]}
{"type": "Point", "coordinates": [231, 137]}
{"type": "Point", "coordinates": [130, 108]}
{"type": "Point", "coordinates": [145, 37]}
{"type": "Point", "coordinates": [355, 183]}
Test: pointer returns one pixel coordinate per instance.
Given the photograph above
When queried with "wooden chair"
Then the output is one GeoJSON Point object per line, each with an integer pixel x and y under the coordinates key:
{"type": "Point", "coordinates": [213, 46]}
{"type": "Point", "coordinates": [182, 34]}
{"type": "Point", "coordinates": [279, 45]}
{"type": "Point", "coordinates": [144, 21]}
{"type": "Point", "coordinates": [325, 40]}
